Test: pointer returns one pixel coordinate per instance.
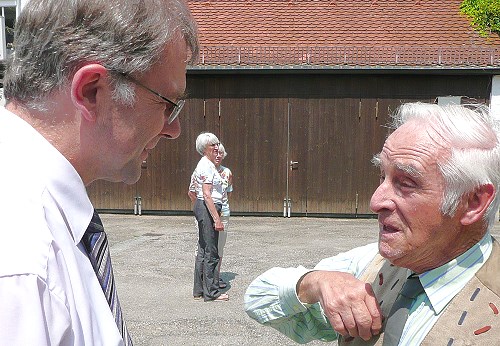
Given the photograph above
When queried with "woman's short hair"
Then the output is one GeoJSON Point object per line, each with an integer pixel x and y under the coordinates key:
{"type": "Point", "coordinates": [53, 38]}
{"type": "Point", "coordinates": [474, 137]}
{"type": "Point", "coordinates": [205, 139]}
{"type": "Point", "coordinates": [222, 151]}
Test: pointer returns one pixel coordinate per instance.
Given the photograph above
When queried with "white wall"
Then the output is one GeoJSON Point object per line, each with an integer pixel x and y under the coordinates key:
{"type": "Point", "coordinates": [495, 106]}
{"type": "Point", "coordinates": [495, 96]}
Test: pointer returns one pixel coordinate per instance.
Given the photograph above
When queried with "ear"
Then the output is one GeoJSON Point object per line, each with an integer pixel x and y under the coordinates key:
{"type": "Point", "coordinates": [477, 203]}
{"type": "Point", "coordinates": [87, 82]}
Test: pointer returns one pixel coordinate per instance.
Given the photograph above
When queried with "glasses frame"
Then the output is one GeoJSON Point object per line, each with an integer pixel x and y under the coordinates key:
{"type": "Point", "coordinates": [177, 106]}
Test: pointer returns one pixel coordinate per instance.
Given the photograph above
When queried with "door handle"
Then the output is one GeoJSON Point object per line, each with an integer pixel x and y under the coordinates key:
{"type": "Point", "coordinates": [294, 165]}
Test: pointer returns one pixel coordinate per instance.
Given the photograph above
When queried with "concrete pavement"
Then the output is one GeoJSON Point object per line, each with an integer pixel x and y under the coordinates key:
{"type": "Point", "coordinates": [153, 259]}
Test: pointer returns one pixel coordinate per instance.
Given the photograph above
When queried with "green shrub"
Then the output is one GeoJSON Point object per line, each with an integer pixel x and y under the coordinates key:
{"type": "Point", "coordinates": [484, 15]}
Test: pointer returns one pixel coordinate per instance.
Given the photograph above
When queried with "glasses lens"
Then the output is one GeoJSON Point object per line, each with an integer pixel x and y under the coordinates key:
{"type": "Point", "coordinates": [176, 111]}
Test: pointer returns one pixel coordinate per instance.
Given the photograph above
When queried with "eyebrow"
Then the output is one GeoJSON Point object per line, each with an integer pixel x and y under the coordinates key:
{"type": "Point", "coordinates": [409, 169]}
{"type": "Point", "coordinates": [376, 160]}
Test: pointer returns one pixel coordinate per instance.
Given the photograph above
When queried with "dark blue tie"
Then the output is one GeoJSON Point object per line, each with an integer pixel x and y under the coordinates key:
{"type": "Point", "coordinates": [96, 244]}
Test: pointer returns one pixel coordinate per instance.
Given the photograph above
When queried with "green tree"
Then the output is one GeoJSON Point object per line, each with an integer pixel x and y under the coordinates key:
{"type": "Point", "coordinates": [484, 15]}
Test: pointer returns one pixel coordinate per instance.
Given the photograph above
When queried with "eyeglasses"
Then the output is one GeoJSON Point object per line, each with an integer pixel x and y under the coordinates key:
{"type": "Point", "coordinates": [177, 106]}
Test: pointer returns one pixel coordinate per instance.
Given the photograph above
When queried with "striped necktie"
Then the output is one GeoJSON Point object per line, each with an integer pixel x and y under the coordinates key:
{"type": "Point", "coordinates": [396, 321]}
{"type": "Point", "coordinates": [96, 244]}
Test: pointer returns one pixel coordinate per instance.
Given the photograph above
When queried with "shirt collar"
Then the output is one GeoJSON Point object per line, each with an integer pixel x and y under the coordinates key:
{"type": "Point", "coordinates": [443, 283]}
{"type": "Point", "coordinates": [63, 183]}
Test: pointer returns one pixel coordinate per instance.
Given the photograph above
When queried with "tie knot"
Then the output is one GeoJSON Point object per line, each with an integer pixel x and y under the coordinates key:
{"type": "Point", "coordinates": [94, 232]}
{"type": "Point", "coordinates": [95, 225]}
{"type": "Point", "coordinates": [412, 287]}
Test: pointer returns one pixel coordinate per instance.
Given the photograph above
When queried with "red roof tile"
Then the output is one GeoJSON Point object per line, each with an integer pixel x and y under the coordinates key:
{"type": "Point", "coordinates": [277, 32]}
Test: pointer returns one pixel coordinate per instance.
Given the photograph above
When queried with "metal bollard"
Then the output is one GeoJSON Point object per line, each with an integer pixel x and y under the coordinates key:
{"type": "Point", "coordinates": [137, 205]}
{"type": "Point", "coordinates": [287, 206]}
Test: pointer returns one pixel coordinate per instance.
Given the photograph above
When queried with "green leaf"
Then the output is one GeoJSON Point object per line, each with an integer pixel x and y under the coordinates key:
{"type": "Point", "coordinates": [483, 14]}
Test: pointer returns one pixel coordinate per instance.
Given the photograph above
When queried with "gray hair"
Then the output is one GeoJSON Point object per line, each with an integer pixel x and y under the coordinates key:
{"type": "Point", "coordinates": [474, 137]}
{"type": "Point", "coordinates": [53, 38]}
{"type": "Point", "coordinates": [222, 151]}
{"type": "Point", "coordinates": [203, 140]}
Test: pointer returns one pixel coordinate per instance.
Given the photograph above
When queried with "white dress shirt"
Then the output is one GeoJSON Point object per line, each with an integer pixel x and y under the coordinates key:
{"type": "Point", "coordinates": [49, 293]}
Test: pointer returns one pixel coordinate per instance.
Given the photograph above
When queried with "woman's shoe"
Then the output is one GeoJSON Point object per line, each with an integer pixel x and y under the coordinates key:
{"type": "Point", "coordinates": [224, 297]}
{"type": "Point", "coordinates": [222, 284]}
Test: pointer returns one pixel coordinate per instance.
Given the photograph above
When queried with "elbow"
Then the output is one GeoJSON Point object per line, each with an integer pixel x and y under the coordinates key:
{"type": "Point", "coordinates": [249, 309]}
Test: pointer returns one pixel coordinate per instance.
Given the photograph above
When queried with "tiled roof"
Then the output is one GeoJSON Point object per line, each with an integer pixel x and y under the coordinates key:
{"type": "Point", "coordinates": [340, 33]}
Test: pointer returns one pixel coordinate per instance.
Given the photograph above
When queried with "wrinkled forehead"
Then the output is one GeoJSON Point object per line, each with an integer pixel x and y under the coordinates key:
{"type": "Point", "coordinates": [418, 132]}
{"type": "Point", "coordinates": [418, 143]}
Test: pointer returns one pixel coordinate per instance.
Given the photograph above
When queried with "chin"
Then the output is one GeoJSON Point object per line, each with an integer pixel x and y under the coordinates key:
{"type": "Point", "coordinates": [132, 176]}
{"type": "Point", "coordinates": [130, 181]}
{"type": "Point", "coordinates": [388, 252]}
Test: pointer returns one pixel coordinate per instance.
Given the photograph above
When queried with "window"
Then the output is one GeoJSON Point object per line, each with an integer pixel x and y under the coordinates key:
{"type": "Point", "coordinates": [448, 100]}
{"type": "Point", "coordinates": [8, 14]}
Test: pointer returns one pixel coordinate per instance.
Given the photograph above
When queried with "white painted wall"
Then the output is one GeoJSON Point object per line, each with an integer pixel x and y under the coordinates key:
{"type": "Point", "coordinates": [495, 106]}
{"type": "Point", "coordinates": [8, 3]}
{"type": "Point", "coordinates": [495, 96]}
{"type": "Point", "coordinates": [449, 100]}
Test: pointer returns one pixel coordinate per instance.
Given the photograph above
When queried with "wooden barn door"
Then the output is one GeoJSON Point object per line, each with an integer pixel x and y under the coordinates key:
{"type": "Point", "coordinates": [295, 161]}
{"type": "Point", "coordinates": [322, 155]}
{"type": "Point", "coordinates": [253, 131]}
{"type": "Point", "coordinates": [330, 145]}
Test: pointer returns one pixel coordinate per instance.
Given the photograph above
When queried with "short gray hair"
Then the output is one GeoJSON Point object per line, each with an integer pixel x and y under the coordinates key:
{"type": "Point", "coordinates": [203, 140]}
{"type": "Point", "coordinates": [53, 38]}
{"type": "Point", "coordinates": [222, 150]}
{"type": "Point", "coordinates": [474, 137]}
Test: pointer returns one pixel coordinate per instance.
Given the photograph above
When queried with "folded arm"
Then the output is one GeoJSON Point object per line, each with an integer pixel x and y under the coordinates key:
{"type": "Point", "coordinates": [305, 304]}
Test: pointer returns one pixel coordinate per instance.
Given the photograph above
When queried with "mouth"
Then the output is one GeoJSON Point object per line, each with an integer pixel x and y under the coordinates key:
{"type": "Point", "coordinates": [386, 229]}
{"type": "Point", "coordinates": [151, 145]}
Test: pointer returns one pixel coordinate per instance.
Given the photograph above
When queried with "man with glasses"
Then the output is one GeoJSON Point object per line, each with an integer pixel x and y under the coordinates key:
{"type": "Point", "coordinates": [174, 108]}
{"type": "Point", "coordinates": [90, 90]}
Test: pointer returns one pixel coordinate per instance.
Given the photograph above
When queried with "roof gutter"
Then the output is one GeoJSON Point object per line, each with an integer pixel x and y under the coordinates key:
{"type": "Point", "coordinates": [301, 69]}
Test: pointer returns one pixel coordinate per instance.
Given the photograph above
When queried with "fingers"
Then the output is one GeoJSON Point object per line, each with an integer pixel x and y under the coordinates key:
{"type": "Point", "coordinates": [339, 325]}
{"type": "Point", "coordinates": [364, 321]}
{"type": "Point", "coordinates": [374, 310]}
{"type": "Point", "coordinates": [354, 320]}
{"type": "Point", "coordinates": [219, 226]}
{"type": "Point", "coordinates": [350, 305]}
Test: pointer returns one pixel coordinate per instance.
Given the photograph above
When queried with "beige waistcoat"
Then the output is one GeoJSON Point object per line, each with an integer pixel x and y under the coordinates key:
{"type": "Point", "coordinates": [471, 318]}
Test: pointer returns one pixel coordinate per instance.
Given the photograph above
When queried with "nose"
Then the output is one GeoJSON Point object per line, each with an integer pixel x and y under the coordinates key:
{"type": "Point", "coordinates": [381, 198]}
{"type": "Point", "coordinates": [173, 130]}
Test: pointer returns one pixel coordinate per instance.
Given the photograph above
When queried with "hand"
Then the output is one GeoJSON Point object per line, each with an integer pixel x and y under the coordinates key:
{"type": "Point", "coordinates": [218, 226]}
{"type": "Point", "coordinates": [348, 303]}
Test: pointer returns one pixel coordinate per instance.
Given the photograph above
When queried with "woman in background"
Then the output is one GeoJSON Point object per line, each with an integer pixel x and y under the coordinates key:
{"type": "Point", "coordinates": [227, 187]}
{"type": "Point", "coordinates": [207, 207]}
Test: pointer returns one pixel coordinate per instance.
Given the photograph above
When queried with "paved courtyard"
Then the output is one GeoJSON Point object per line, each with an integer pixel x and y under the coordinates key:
{"type": "Point", "coordinates": [153, 259]}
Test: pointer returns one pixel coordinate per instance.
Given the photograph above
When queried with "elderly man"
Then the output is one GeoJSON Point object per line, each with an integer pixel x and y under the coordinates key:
{"type": "Point", "coordinates": [433, 278]}
{"type": "Point", "coordinates": [91, 88]}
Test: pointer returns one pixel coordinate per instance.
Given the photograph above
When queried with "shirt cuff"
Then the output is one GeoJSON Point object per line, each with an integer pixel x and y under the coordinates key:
{"type": "Point", "coordinates": [289, 300]}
